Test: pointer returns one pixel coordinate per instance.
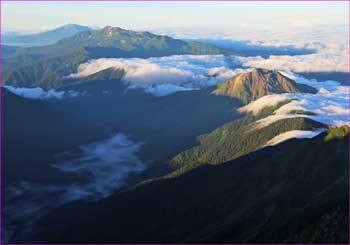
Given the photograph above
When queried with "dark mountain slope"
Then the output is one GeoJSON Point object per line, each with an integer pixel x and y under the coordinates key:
{"type": "Point", "coordinates": [259, 82]}
{"type": "Point", "coordinates": [34, 131]}
{"type": "Point", "coordinates": [37, 134]}
{"type": "Point", "coordinates": [288, 192]}
{"type": "Point", "coordinates": [8, 50]}
{"type": "Point", "coordinates": [167, 125]}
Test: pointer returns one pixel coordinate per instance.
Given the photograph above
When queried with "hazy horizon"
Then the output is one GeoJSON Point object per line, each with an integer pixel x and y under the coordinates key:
{"type": "Point", "coordinates": [41, 16]}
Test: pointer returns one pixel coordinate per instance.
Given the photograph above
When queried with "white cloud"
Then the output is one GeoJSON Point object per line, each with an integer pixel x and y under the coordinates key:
{"type": "Point", "coordinates": [166, 89]}
{"type": "Point", "coordinates": [198, 71]}
{"type": "Point", "coordinates": [331, 44]}
{"type": "Point", "coordinates": [266, 101]}
{"type": "Point", "coordinates": [293, 134]}
{"type": "Point", "coordinates": [269, 120]}
{"type": "Point", "coordinates": [318, 62]}
{"type": "Point", "coordinates": [164, 75]}
{"type": "Point", "coordinates": [101, 169]}
{"type": "Point", "coordinates": [330, 104]}
{"type": "Point", "coordinates": [39, 93]}
{"type": "Point", "coordinates": [106, 163]}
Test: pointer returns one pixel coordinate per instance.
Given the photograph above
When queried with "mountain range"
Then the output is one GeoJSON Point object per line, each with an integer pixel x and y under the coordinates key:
{"type": "Point", "coordinates": [44, 38]}
{"type": "Point", "coordinates": [211, 173]}
{"type": "Point", "coordinates": [46, 66]}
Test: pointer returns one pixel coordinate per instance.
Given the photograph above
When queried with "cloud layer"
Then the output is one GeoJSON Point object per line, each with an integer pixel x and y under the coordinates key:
{"type": "Point", "coordinates": [164, 75]}
{"type": "Point", "coordinates": [100, 169]}
{"type": "Point", "coordinates": [331, 44]}
{"type": "Point", "coordinates": [330, 104]}
{"type": "Point", "coordinates": [186, 72]}
{"type": "Point", "coordinates": [106, 163]}
{"type": "Point", "coordinates": [319, 62]}
{"type": "Point", "coordinates": [299, 134]}
{"type": "Point", "coordinates": [39, 93]}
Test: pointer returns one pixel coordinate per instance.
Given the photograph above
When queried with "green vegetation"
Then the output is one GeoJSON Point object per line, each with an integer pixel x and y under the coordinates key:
{"type": "Point", "coordinates": [131, 41]}
{"type": "Point", "coordinates": [107, 74]}
{"type": "Point", "coordinates": [46, 72]}
{"type": "Point", "coordinates": [237, 138]}
{"type": "Point", "coordinates": [46, 66]}
{"type": "Point", "coordinates": [337, 133]}
{"type": "Point", "coordinates": [234, 140]}
{"type": "Point", "coordinates": [295, 192]}
{"type": "Point", "coordinates": [194, 47]}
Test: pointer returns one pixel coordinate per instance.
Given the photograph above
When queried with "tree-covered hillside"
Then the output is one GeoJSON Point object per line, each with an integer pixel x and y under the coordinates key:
{"type": "Point", "coordinates": [237, 138]}
{"type": "Point", "coordinates": [46, 66]}
{"type": "Point", "coordinates": [294, 192]}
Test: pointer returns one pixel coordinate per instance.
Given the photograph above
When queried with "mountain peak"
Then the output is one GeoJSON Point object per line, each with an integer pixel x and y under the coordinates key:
{"type": "Point", "coordinates": [109, 30]}
{"type": "Point", "coordinates": [259, 82]}
{"type": "Point", "coordinates": [69, 25]}
{"type": "Point", "coordinates": [261, 71]}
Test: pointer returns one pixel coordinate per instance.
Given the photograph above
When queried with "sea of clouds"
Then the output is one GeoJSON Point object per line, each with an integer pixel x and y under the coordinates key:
{"type": "Point", "coordinates": [161, 76]}
{"type": "Point", "coordinates": [329, 43]}
{"type": "Point", "coordinates": [330, 46]}
{"type": "Point", "coordinates": [101, 168]}
{"type": "Point", "coordinates": [318, 62]}
{"type": "Point", "coordinates": [165, 75]}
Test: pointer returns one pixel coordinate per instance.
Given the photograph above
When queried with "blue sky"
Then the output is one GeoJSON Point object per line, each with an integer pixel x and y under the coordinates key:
{"type": "Point", "coordinates": [149, 15]}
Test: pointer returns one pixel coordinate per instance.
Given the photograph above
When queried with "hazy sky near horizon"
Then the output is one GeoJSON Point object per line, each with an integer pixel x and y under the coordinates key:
{"type": "Point", "coordinates": [37, 16]}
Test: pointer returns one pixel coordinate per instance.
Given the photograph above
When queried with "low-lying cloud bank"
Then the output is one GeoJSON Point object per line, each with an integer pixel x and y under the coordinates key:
{"type": "Point", "coordinates": [299, 134]}
{"type": "Point", "coordinates": [319, 62]}
{"type": "Point", "coordinates": [106, 164]}
{"type": "Point", "coordinates": [101, 168]}
{"type": "Point", "coordinates": [330, 43]}
{"type": "Point", "coordinates": [331, 47]}
{"type": "Point", "coordinates": [165, 75]}
{"type": "Point", "coordinates": [187, 72]}
{"type": "Point", "coordinates": [330, 105]}
{"type": "Point", "coordinates": [39, 93]}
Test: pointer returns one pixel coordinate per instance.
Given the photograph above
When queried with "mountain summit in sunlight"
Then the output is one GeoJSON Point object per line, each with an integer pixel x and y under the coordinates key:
{"type": "Point", "coordinates": [134, 41]}
{"type": "Point", "coordinates": [259, 82]}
